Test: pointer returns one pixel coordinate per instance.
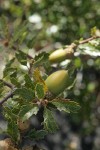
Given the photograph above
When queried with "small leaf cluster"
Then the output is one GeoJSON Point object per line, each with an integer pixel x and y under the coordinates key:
{"type": "Point", "coordinates": [30, 93]}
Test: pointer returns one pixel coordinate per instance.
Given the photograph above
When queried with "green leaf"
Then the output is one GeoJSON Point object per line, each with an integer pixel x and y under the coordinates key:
{"type": "Point", "coordinates": [14, 74]}
{"type": "Point", "coordinates": [39, 91]}
{"type": "Point", "coordinates": [13, 131]}
{"type": "Point", "coordinates": [93, 31]}
{"type": "Point", "coordinates": [9, 115]}
{"type": "Point", "coordinates": [8, 71]}
{"type": "Point", "coordinates": [22, 58]}
{"type": "Point", "coordinates": [47, 66]}
{"type": "Point", "coordinates": [66, 105]}
{"type": "Point", "coordinates": [10, 63]}
{"type": "Point", "coordinates": [49, 121]}
{"type": "Point", "coordinates": [8, 68]}
{"type": "Point", "coordinates": [37, 134]}
{"type": "Point", "coordinates": [25, 93]}
{"type": "Point", "coordinates": [41, 58]}
{"type": "Point", "coordinates": [4, 26]}
{"type": "Point", "coordinates": [28, 82]}
{"type": "Point", "coordinates": [15, 82]}
{"type": "Point", "coordinates": [91, 48]}
{"type": "Point", "coordinates": [27, 111]}
{"type": "Point", "coordinates": [1, 84]}
{"type": "Point", "coordinates": [18, 34]}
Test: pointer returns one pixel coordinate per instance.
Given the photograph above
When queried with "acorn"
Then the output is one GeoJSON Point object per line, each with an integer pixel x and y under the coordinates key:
{"type": "Point", "coordinates": [61, 55]}
{"type": "Point", "coordinates": [57, 82]}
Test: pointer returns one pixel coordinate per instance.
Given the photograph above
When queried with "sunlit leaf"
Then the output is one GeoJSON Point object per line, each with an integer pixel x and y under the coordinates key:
{"type": "Point", "coordinates": [27, 111]}
{"type": "Point", "coordinates": [91, 48]}
{"type": "Point", "coordinates": [49, 121]}
{"type": "Point", "coordinates": [66, 105]}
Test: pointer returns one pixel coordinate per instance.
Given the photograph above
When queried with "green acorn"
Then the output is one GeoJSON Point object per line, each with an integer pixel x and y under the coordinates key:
{"type": "Point", "coordinates": [60, 55]}
{"type": "Point", "coordinates": [57, 82]}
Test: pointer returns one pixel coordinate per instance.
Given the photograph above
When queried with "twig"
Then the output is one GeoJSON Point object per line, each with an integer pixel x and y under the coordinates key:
{"type": "Point", "coordinates": [10, 94]}
{"type": "Point", "coordinates": [84, 41]}
{"type": "Point", "coordinates": [89, 39]}
{"type": "Point", "coordinates": [29, 56]}
{"type": "Point", "coordinates": [7, 84]}
{"type": "Point", "coordinates": [75, 45]}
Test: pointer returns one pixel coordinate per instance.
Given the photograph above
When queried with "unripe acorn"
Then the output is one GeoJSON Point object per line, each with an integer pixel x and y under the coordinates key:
{"type": "Point", "coordinates": [60, 55]}
{"type": "Point", "coordinates": [57, 82]}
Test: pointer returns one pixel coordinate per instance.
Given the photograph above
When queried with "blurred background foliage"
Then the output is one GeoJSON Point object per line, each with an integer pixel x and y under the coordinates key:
{"type": "Point", "coordinates": [53, 21]}
{"type": "Point", "coordinates": [47, 25]}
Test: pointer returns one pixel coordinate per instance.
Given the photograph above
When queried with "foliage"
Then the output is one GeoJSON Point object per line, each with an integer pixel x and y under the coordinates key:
{"type": "Point", "coordinates": [50, 21]}
{"type": "Point", "coordinates": [24, 74]}
{"type": "Point", "coordinates": [30, 92]}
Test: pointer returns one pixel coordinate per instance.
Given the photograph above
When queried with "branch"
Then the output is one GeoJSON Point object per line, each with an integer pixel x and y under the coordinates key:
{"type": "Point", "coordinates": [75, 45]}
{"type": "Point", "coordinates": [7, 84]}
{"type": "Point", "coordinates": [29, 56]}
{"type": "Point", "coordinates": [89, 39]}
{"type": "Point", "coordinates": [10, 94]}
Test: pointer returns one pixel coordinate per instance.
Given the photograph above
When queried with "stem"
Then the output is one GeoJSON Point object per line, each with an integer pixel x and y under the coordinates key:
{"type": "Point", "coordinates": [10, 94]}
